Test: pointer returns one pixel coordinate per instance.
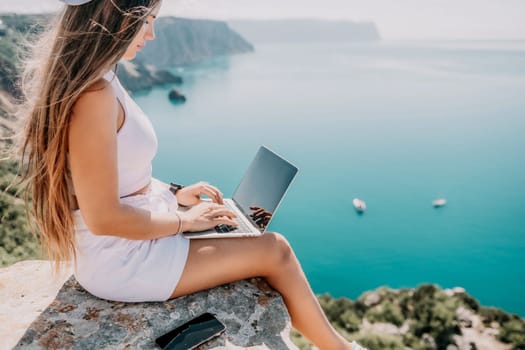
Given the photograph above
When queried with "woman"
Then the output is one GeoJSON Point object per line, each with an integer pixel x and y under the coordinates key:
{"type": "Point", "coordinates": [88, 149]}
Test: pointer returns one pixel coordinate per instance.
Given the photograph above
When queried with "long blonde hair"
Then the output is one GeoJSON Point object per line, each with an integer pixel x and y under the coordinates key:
{"type": "Point", "coordinates": [78, 47]}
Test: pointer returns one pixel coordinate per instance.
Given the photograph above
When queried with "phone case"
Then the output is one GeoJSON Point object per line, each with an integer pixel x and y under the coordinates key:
{"type": "Point", "coordinates": [176, 347]}
{"type": "Point", "coordinates": [191, 334]}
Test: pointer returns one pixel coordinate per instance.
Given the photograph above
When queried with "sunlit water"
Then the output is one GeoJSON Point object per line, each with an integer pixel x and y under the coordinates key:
{"type": "Point", "coordinates": [397, 124]}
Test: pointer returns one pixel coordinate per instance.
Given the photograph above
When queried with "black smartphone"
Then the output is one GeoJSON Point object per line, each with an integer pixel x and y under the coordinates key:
{"type": "Point", "coordinates": [191, 334]}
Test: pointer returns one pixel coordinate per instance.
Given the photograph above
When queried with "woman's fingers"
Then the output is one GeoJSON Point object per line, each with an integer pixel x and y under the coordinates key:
{"type": "Point", "coordinates": [214, 214]}
{"type": "Point", "coordinates": [220, 212]}
{"type": "Point", "coordinates": [226, 221]}
{"type": "Point", "coordinates": [212, 210]}
{"type": "Point", "coordinates": [258, 212]}
{"type": "Point", "coordinates": [212, 192]}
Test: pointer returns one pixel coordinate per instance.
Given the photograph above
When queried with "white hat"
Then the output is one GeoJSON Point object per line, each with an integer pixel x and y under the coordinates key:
{"type": "Point", "coordinates": [75, 2]}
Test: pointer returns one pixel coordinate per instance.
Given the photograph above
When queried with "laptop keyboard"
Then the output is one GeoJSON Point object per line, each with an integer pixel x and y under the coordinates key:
{"type": "Point", "coordinates": [223, 228]}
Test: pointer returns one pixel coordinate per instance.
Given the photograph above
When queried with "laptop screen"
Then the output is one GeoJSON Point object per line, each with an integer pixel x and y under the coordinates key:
{"type": "Point", "coordinates": [263, 186]}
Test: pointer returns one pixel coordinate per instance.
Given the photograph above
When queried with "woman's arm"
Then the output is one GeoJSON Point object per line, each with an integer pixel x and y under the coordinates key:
{"type": "Point", "coordinates": [93, 161]}
{"type": "Point", "coordinates": [191, 195]}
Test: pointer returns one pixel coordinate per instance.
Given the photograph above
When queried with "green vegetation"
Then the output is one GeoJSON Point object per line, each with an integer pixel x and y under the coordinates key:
{"type": "Point", "coordinates": [420, 319]}
{"type": "Point", "coordinates": [299, 340]}
{"type": "Point", "coordinates": [16, 240]}
{"type": "Point", "coordinates": [387, 312]}
{"type": "Point", "coordinates": [25, 23]}
{"type": "Point", "coordinates": [512, 327]}
{"type": "Point", "coordinates": [434, 314]}
{"type": "Point", "coordinates": [8, 62]}
{"type": "Point", "coordinates": [343, 312]}
{"type": "Point", "coordinates": [513, 332]}
{"type": "Point", "coordinates": [13, 30]}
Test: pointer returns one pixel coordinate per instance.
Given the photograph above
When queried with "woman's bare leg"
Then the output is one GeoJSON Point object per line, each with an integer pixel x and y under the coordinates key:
{"type": "Point", "coordinates": [213, 262]}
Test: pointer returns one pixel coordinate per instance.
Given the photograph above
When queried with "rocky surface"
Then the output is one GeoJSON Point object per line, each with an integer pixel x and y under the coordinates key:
{"type": "Point", "coordinates": [254, 315]}
{"type": "Point", "coordinates": [26, 289]}
{"type": "Point", "coordinates": [426, 317]}
{"type": "Point", "coordinates": [136, 76]}
{"type": "Point", "coordinates": [474, 334]}
{"type": "Point", "coordinates": [176, 97]}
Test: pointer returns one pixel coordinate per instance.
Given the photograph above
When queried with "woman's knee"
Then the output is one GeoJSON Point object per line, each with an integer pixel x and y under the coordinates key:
{"type": "Point", "coordinates": [279, 250]}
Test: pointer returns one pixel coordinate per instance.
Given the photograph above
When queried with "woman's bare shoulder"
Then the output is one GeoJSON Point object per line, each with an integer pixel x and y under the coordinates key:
{"type": "Point", "coordinates": [97, 103]}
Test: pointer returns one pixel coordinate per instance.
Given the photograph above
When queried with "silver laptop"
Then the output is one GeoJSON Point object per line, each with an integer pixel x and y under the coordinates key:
{"type": "Point", "coordinates": [256, 198]}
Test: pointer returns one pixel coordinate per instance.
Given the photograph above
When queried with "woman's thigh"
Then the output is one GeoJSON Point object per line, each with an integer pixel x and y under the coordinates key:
{"type": "Point", "coordinates": [212, 262]}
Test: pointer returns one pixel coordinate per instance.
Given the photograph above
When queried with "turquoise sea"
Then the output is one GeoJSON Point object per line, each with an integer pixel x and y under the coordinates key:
{"type": "Point", "coordinates": [397, 124]}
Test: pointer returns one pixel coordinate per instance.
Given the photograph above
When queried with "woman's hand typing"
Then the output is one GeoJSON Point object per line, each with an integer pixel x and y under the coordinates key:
{"type": "Point", "coordinates": [191, 195]}
{"type": "Point", "coordinates": [206, 215]}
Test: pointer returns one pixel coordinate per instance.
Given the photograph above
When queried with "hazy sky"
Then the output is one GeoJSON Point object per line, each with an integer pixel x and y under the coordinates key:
{"type": "Point", "coordinates": [396, 19]}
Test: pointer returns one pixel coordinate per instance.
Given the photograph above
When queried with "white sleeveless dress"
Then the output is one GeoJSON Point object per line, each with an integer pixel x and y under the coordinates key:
{"type": "Point", "coordinates": [120, 269]}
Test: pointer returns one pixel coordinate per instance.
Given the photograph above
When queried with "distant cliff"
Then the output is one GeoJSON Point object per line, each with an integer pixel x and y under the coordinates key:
{"type": "Point", "coordinates": [178, 42]}
{"type": "Point", "coordinates": [181, 41]}
{"type": "Point", "coordinates": [137, 76]}
{"type": "Point", "coordinates": [305, 30]}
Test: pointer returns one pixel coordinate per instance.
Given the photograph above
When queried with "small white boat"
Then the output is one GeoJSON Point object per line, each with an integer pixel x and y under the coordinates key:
{"type": "Point", "coordinates": [359, 205]}
{"type": "Point", "coordinates": [440, 202]}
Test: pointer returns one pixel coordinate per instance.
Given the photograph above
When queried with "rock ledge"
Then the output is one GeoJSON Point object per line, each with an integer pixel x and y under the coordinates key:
{"type": "Point", "coordinates": [254, 314]}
